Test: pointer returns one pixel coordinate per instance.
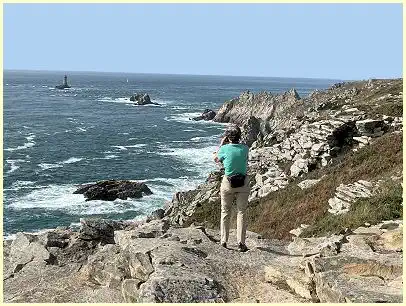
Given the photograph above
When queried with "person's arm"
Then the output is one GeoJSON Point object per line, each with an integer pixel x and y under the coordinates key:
{"type": "Point", "coordinates": [218, 155]}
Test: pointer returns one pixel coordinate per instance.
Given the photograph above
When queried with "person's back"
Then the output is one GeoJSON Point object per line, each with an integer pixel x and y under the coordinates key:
{"type": "Point", "coordinates": [235, 184]}
{"type": "Point", "coordinates": [234, 157]}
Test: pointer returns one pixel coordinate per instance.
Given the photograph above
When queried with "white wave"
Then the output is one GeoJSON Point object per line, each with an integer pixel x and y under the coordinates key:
{"type": "Point", "coordinates": [12, 163]}
{"type": "Point", "coordinates": [187, 118]}
{"type": "Point", "coordinates": [18, 185]}
{"type": "Point", "coordinates": [30, 143]}
{"type": "Point", "coordinates": [180, 107]}
{"type": "Point", "coordinates": [114, 100]}
{"type": "Point", "coordinates": [199, 159]}
{"type": "Point", "coordinates": [61, 197]}
{"type": "Point", "coordinates": [110, 156]}
{"type": "Point", "coordinates": [72, 160]}
{"type": "Point", "coordinates": [81, 129]}
{"type": "Point", "coordinates": [10, 237]}
{"type": "Point", "coordinates": [212, 138]}
{"type": "Point", "coordinates": [162, 101]}
{"type": "Point", "coordinates": [46, 166]}
{"type": "Point", "coordinates": [196, 138]}
{"type": "Point", "coordinates": [140, 145]}
{"type": "Point", "coordinates": [120, 147]}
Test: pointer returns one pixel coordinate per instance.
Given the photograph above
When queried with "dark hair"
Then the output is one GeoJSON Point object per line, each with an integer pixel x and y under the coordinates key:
{"type": "Point", "coordinates": [233, 133]}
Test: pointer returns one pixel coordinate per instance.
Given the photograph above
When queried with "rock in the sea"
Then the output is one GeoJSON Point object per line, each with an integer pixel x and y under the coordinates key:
{"type": "Point", "coordinates": [111, 190]}
{"type": "Point", "coordinates": [208, 114]}
{"type": "Point", "coordinates": [142, 99]}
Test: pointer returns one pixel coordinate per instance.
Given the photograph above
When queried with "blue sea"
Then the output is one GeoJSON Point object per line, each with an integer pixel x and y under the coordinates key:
{"type": "Point", "coordinates": [56, 139]}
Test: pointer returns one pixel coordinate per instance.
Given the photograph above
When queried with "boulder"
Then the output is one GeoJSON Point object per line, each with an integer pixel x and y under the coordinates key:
{"type": "Point", "coordinates": [142, 99]}
{"type": "Point", "coordinates": [111, 190]}
{"type": "Point", "coordinates": [102, 230]}
{"type": "Point", "coordinates": [370, 127]}
{"type": "Point", "coordinates": [207, 115]}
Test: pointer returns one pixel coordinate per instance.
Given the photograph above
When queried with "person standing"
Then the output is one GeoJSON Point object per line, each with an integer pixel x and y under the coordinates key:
{"type": "Point", "coordinates": [235, 184]}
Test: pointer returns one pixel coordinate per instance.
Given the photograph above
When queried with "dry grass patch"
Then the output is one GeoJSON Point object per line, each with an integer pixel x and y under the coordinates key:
{"type": "Point", "coordinates": [274, 216]}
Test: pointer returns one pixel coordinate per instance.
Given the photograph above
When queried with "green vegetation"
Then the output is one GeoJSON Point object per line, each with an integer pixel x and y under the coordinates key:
{"type": "Point", "coordinates": [387, 205]}
{"type": "Point", "coordinates": [274, 216]}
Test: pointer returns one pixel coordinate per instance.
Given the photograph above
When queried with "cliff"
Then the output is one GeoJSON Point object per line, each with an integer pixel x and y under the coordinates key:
{"type": "Point", "coordinates": [323, 158]}
{"type": "Point", "coordinates": [324, 217]}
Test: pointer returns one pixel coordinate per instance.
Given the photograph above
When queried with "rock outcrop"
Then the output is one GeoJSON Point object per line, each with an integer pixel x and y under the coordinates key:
{"type": "Point", "coordinates": [290, 137]}
{"type": "Point", "coordinates": [207, 115]}
{"type": "Point", "coordinates": [142, 99]}
{"type": "Point", "coordinates": [111, 190]}
{"type": "Point", "coordinates": [153, 262]}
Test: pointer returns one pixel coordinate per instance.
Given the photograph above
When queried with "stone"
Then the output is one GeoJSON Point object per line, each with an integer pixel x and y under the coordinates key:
{"type": "Point", "coordinates": [111, 190]}
{"type": "Point", "coordinates": [308, 183]}
{"type": "Point", "coordinates": [156, 215]}
{"type": "Point", "coordinates": [207, 115]}
{"type": "Point", "coordinates": [350, 279]}
{"type": "Point", "coordinates": [298, 167]}
{"type": "Point", "coordinates": [24, 249]}
{"type": "Point", "coordinates": [312, 246]}
{"type": "Point", "coordinates": [129, 290]}
{"type": "Point", "coordinates": [363, 139]}
{"type": "Point", "coordinates": [142, 99]}
{"type": "Point", "coordinates": [100, 229]}
{"type": "Point", "coordinates": [368, 127]}
{"type": "Point", "coordinates": [108, 267]}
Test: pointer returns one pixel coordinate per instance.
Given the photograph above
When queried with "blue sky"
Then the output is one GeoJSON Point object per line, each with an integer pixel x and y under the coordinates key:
{"type": "Point", "coordinates": [344, 41]}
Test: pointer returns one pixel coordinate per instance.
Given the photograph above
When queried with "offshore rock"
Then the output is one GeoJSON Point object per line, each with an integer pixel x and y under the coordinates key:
{"type": "Point", "coordinates": [111, 190]}
{"type": "Point", "coordinates": [142, 99]}
{"type": "Point", "coordinates": [207, 114]}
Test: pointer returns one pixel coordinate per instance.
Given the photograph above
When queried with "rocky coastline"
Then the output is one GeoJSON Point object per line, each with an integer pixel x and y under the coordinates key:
{"type": "Point", "coordinates": [313, 162]}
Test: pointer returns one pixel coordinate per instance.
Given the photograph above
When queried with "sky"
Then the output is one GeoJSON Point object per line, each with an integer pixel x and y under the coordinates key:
{"type": "Point", "coordinates": [337, 41]}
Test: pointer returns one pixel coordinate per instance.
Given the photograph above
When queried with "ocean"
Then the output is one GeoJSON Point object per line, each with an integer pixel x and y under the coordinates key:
{"type": "Point", "coordinates": [56, 139]}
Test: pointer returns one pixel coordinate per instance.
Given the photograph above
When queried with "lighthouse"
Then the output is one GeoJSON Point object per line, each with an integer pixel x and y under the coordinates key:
{"type": "Point", "coordinates": [65, 83]}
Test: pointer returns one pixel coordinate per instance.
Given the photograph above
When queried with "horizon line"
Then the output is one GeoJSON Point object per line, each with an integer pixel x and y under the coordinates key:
{"type": "Point", "coordinates": [177, 74]}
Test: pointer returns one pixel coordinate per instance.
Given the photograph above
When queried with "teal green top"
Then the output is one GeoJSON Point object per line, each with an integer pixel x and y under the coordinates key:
{"type": "Point", "coordinates": [234, 157]}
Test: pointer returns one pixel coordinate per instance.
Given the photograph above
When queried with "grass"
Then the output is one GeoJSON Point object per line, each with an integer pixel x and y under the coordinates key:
{"type": "Point", "coordinates": [387, 205]}
{"type": "Point", "coordinates": [284, 210]}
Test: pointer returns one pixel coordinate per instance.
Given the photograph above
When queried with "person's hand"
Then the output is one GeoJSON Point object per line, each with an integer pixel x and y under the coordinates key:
{"type": "Point", "coordinates": [215, 158]}
{"type": "Point", "coordinates": [223, 141]}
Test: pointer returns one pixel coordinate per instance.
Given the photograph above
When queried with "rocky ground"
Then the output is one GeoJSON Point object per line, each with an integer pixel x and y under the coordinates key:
{"type": "Point", "coordinates": [325, 217]}
{"type": "Point", "coordinates": [154, 262]}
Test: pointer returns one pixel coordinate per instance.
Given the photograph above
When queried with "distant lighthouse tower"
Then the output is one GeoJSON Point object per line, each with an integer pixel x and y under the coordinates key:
{"type": "Point", "coordinates": [65, 83]}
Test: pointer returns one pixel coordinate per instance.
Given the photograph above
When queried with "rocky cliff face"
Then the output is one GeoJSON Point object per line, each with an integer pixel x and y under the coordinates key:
{"type": "Point", "coordinates": [257, 113]}
{"type": "Point", "coordinates": [292, 139]}
{"type": "Point", "coordinates": [325, 175]}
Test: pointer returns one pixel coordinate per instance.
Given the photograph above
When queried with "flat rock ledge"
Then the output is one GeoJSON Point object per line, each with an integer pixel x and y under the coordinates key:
{"type": "Point", "coordinates": [154, 262]}
{"type": "Point", "coordinates": [112, 189]}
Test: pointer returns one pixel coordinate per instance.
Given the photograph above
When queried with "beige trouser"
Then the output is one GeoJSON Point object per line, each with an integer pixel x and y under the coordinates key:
{"type": "Point", "coordinates": [227, 196]}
